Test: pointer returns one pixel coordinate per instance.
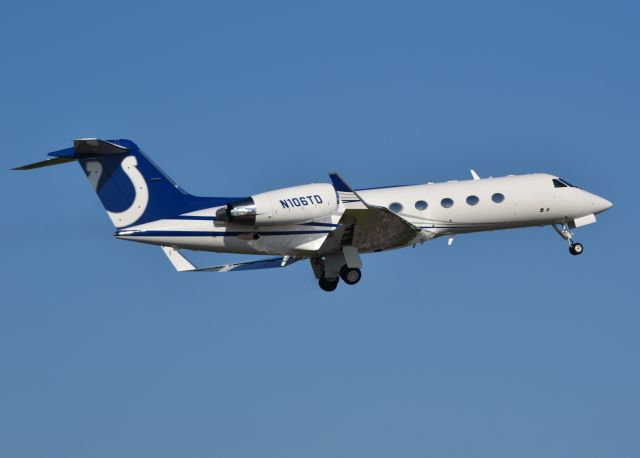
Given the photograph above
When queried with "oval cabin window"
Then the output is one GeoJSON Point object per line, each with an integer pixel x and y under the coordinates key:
{"type": "Point", "coordinates": [395, 207]}
{"type": "Point", "coordinates": [446, 202]}
{"type": "Point", "coordinates": [497, 197]}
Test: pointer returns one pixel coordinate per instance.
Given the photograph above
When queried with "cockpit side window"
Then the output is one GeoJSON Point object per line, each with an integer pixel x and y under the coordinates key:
{"type": "Point", "coordinates": [567, 183]}
{"type": "Point", "coordinates": [560, 183]}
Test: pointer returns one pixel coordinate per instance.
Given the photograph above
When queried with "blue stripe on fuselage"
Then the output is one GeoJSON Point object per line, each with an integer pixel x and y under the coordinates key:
{"type": "Point", "coordinates": [153, 233]}
{"type": "Point", "coordinates": [213, 218]}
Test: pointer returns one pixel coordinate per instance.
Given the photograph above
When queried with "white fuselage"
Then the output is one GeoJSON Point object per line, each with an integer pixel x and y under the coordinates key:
{"type": "Point", "coordinates": [528, 200]}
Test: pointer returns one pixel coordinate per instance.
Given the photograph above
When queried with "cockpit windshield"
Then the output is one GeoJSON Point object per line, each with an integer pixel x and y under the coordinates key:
{"type": "Point", "coordinates": [560, 183]}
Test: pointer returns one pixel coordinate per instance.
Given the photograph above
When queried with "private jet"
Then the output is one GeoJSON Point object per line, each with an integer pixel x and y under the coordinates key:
{"type": "Point", "coordinates": [330, 224]}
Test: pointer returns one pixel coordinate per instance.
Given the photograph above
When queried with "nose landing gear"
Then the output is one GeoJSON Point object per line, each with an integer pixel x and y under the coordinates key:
{"type": "Point", "coordinates": [575, 248]}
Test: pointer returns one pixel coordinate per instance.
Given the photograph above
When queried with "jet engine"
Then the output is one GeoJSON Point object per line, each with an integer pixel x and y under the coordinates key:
{"type": "Point", "coordinates": [295, 205]}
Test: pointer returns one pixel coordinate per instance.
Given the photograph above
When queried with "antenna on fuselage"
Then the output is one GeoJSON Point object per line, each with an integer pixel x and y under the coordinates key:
{"type": "Point", "coordinates": [474, 175]}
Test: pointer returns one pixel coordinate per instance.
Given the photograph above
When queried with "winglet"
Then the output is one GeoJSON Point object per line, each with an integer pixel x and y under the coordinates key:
{"type": "Point", "coordinates": [338, 183]}
{"type": "Point", "coordinates": [181, 263]}
{"type": "Point", "coordinates": [347, 195]}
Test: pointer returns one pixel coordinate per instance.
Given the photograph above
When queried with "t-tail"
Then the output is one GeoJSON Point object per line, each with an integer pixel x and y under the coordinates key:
{"type": "Point", "coordinates": [132, 189]}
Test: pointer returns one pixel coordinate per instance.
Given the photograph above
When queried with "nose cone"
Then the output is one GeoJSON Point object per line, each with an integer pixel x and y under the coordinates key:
{"type": "Point", "coordinates": [601, 204]}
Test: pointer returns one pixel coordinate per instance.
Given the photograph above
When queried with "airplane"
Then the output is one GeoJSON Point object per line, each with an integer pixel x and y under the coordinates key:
{"type": "Point", "coordinates": [331, 225]}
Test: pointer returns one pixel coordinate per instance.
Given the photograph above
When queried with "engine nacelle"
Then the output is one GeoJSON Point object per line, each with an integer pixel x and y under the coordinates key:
{"type": "Point", "coordinates": [295, 205]}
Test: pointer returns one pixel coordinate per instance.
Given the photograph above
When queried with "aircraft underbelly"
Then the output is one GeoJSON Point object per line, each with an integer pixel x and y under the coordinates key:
{"type": "Point", "coordinates": [269, 244]}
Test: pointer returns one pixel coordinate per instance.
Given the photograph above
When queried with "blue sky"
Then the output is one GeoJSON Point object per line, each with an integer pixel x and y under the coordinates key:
{"type": "Point", "coordinates": [502, 345]}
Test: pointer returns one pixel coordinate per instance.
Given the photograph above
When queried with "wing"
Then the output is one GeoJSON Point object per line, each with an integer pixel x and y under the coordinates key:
{"type": "Point", "coordinates": [182, 264]}
{"type": "Point", "coordinates": [369, 227]}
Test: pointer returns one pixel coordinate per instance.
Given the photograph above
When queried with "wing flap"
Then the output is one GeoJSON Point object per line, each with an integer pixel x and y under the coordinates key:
{"type": "Point", "coordinates": [377, 228]}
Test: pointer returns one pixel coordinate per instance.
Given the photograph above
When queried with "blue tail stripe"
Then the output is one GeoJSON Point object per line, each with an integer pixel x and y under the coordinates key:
{"type": "Point", "coordinates": [115, 185]}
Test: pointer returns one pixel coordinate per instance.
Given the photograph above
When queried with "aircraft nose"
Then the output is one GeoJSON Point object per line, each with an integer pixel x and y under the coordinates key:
{"type": "Point", "coordinates": [601, 204]}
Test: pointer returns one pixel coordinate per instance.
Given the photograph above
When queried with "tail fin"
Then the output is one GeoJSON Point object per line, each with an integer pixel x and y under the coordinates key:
{"type": "Point", "coordinates": [132, 189]}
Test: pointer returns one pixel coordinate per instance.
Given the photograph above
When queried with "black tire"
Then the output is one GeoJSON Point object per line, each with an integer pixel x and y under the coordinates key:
{"type": "Point", "coordinates": [350, 276]}
{"type": "Point", "coordinates": [328, 285]}
{"type": "Point", "coordinates": [576, 249]}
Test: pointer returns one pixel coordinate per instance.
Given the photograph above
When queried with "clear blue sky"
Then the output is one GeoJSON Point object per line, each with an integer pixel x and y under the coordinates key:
{"type": "Point", "coordinates": [503, 345]}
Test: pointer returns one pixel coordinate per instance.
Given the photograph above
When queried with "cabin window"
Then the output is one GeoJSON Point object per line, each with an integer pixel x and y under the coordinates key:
{"type": "Point", "coordinates": [395, 207]}
{"type": "Point", "coordinates": [473, 200]}
{"type": "Point", "coordinates": [497, 197]}
{"type": "Point", "coordinates": [421, 205]}
{"type": "Point", "coordinates": [446, 202]}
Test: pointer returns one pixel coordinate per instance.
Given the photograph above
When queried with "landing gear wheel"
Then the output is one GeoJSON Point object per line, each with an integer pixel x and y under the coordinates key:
{"type": "Point", "coordinates": [328, 285]}
{"type": "Point", "coordinates": [351, 276]}
{"type": "Point", "coordinates": [576, 248]}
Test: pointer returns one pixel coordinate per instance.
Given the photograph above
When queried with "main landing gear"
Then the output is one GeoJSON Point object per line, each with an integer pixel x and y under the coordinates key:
{"type": "Point", "coordinates": [575, 248]}
{"type": "Point", "coordinates": [349, 275]}
{"type": "Point", "coordinates": [330, 269]}
{"type": "Point", "coordinates": [328, 285]}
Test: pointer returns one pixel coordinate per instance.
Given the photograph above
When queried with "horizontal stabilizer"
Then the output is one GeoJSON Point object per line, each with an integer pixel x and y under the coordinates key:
{"type": "Point", "coordinates": [82, 148]}
{"type": "Point", "coordinates": [96, 147]}
{"type": "Point", "coordinates": [182, 264]}
{"type": "Point", "coordinates": [46, 163]}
